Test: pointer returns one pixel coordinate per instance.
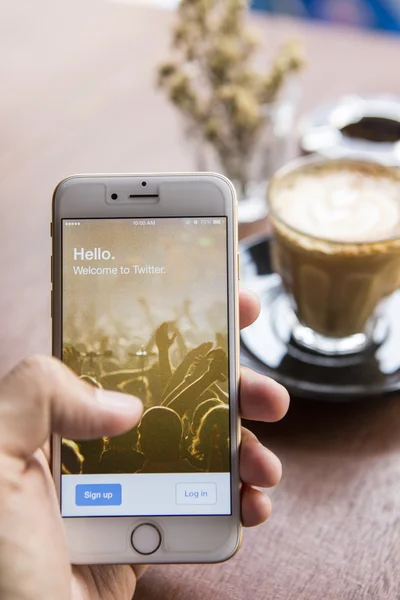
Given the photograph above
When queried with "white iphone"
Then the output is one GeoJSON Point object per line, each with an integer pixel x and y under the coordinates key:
{"type": "Point", "coordinates": [145, 301]}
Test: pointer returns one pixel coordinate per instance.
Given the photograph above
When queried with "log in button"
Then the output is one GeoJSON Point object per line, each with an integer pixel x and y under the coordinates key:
{"type": "Point", "coordinates": [196, 493]}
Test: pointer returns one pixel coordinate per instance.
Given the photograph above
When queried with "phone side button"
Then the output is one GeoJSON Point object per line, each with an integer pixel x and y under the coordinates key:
{"type": "Point", "coordinates": [146, 539]}
{"type": "Point", "coordinates": [238, 266]}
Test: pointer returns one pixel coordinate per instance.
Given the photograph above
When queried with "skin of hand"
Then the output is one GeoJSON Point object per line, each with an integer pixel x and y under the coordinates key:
{"type": "Point", "coordinates": [41, 396]}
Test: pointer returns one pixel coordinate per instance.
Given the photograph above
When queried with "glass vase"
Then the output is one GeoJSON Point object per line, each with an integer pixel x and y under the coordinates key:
{"type": "Point", "coordinates": [250, 175]}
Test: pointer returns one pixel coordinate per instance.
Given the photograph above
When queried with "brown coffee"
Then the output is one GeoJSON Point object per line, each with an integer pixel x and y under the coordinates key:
{"type": "Point", "coordinates": [337, 241]}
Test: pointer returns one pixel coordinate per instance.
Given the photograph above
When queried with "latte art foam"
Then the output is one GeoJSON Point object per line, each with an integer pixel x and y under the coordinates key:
{"type": "Point", "coordinates": [340, 205]}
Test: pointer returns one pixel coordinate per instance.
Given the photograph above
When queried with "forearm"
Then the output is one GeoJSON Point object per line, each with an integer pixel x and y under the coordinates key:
{"type": "Point", "coordinates": [177, 378]}
{"type": "Point", "coordinates": [165, 367]}
{"type": "Point", "coordinates": [188, 397]}
{"type": "Point", "coordinates": [150, 344]}
{"type": "Point", "coordinates": [187, 380]}
{"type": "Point", "coordinates": [113, 379]}
{"type": "Point", "coordinates": [220, 393]}
{"type": "Point", "coordinates": [181, 345]}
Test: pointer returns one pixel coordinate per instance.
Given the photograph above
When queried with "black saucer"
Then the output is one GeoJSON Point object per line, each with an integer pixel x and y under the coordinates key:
{"type": "Point", "coordinates": [371, 373]}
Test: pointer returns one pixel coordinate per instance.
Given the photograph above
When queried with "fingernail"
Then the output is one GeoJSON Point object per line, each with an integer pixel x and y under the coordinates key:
{"type": "Point", "coordinates": [118, 401]}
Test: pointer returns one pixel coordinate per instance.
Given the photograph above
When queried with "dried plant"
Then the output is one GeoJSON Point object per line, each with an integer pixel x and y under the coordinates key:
{"type": "Point", "coordinates": [213, 82]}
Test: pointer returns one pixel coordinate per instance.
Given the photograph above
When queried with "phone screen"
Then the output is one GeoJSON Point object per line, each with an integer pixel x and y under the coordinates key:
{"type": "Point", "coordinates": [145, 312]}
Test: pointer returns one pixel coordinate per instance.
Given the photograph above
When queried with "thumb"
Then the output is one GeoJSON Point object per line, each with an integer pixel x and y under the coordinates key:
{"type": "Point", "coordinates": [41, 396]}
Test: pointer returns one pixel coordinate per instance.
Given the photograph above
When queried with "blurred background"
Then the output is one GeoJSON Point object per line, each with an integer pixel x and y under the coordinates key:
{"type": "Point", "coordinates": [81, 92]}
{"type": "Point", "coordinates": [379, 14]}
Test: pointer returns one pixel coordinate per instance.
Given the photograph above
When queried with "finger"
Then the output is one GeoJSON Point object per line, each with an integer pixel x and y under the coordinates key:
{"type": "Point", "coordinates": [249, 308]}
{"type": "Point", "coordinates": [139, 570]}
{"type": "Point", "coordinates": [258, 465]}
{"type": "Point", "coordinates": [46, 449]}
{"type": "Point", "coordinates": [111, 581]}
{"type": "Point", "coordinates": [256, 506]}
{"type": "Point", "coordinates": [41, 396]}
{"type": "Point", "coordinates": [262, 398]}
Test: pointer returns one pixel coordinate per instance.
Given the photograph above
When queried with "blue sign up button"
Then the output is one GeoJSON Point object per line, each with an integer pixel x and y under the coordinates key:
{"type": "Point", "coordinates": [98, 494]}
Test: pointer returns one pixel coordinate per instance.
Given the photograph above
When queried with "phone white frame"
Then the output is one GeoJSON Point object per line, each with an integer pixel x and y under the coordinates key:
{"type": "Point", "coordinates": [185, 539]}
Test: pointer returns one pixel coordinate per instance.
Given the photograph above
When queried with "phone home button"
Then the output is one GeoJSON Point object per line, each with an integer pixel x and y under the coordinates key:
{"type": "Point", "coordinates": [146, 539]}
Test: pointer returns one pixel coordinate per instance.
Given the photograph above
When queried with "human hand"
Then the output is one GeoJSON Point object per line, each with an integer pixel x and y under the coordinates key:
{"type": "Point", "coordinates": [197, 359]}
{"type": "Point", "coordinates": [199, 352]}
{"type": "Point", "coordinates": [41, 396]}
{"type": "Point", "coordinates": [221, 340]}
{"type": "Point", "coordinates": [72, 358]}
{"type": "Point", "coordinates": [218, 368]}
{"type": "Point", "coordinates": [163, 340]}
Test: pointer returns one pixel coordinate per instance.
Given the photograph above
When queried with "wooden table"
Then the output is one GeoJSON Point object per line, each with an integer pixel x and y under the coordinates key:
{"type": "Point", "coordinates": [77, 94]}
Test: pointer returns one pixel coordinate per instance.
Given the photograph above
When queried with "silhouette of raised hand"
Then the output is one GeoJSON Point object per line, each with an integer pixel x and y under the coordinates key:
{"type": "Point", "coordinates": [146, 308]}
{"type": "Point", "coordinates": [221, 341]}
{"type": "Point", "coordinates": [164, 342]}
{"type": "Point", "coordinates": [73, 359]}
{"type": "Point", "coordinates": [163, 339]}
{"type": "Point", "coordinates": [187, 310]}
{"type": "Point", "coordinates": [183, 374]}
{"type": "Point", "coordinates": [200, 351]}
{"type": "Point", "coordinates": [180, 340]}
{"type": "Point", "coordinates": [218, 368]}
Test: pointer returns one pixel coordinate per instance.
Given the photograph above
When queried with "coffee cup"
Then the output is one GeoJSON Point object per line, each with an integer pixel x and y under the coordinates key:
{"type": "Point", "coordinates": [337, 248]}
